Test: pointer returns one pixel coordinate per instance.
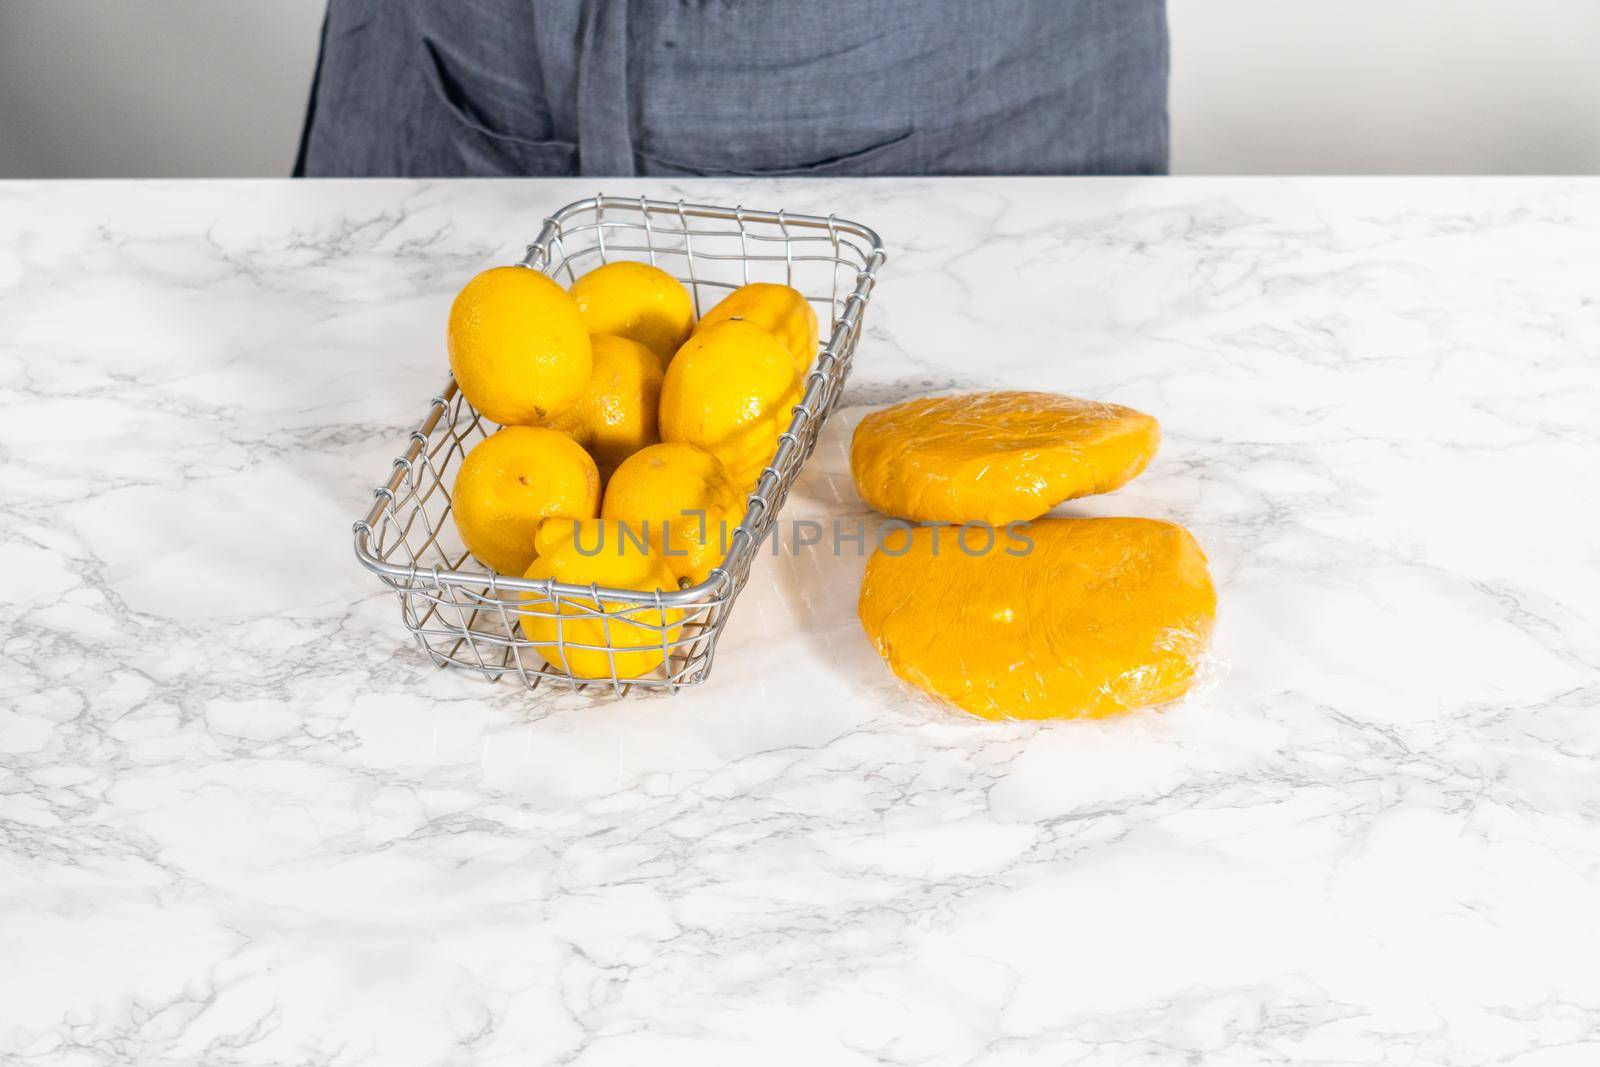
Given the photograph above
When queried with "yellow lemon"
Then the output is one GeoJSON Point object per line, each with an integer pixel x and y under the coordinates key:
{"type": "Point", "coordinates": [636, 301]}
{"type": "Point", "coordinates": [780, 309]}
{"type": "Point", "coordinates": [731, 390]}
{"type": "Point", "coordinates": [588, 639]}
{"type": "Point", "coordinates": [999, 457]}
{"type": "Point", "coordinates": [518, 347]}
{"type": "Point", "coordinates": [1063, 619]}
{"type": "Point", "coordinates": [681, 497]}
{"type": "Point", "coordinates": [617, 413]}
{"type": "Point", "coordinates": [511, 482]}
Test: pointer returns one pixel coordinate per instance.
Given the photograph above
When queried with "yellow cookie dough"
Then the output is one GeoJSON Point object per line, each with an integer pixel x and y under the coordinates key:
{"type": "Point", "coordinates": [1093, 618]}
{"type": "Point", "coordinates": [999, 457]}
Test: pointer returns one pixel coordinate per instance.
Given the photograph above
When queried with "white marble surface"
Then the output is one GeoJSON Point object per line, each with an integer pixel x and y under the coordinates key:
{"type": "Point", "coordinates": [243, 821]}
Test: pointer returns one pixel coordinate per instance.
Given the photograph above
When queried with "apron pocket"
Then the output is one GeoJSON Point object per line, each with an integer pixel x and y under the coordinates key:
{"type": "Point", "coordinates": [477, 150]}
{"type": "Point", "coordinates": [851, 163]}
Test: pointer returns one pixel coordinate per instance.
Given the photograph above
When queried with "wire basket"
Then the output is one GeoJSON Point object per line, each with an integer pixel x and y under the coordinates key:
{"type": "Point", "coordinates": [465, 615]}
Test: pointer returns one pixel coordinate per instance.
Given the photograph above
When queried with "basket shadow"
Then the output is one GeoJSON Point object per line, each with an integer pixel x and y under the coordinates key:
{"type": "Point", "coordinates": [822, 539]}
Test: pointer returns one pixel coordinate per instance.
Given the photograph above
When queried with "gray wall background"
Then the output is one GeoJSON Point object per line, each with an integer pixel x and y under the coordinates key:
{"type": "Point", "coordinates": [157, 88]}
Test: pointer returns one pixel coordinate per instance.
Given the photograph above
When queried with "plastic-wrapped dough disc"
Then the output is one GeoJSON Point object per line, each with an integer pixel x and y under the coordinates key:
{"type": "Point", "coordinates": [997, 457]}
{"type": "Point", "coordinates": [1088, 618]}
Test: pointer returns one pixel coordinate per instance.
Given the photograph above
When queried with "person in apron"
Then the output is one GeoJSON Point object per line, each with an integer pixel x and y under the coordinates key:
{"type": "Point", "coordinates": [738, 87]}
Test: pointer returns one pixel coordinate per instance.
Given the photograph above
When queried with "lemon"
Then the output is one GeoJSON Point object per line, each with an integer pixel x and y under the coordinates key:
{"type": "Point", "coordinates": [616, 415]}
{"type": "Point", "coordinates": [511, 482]}
{"type": "Point", "coordinates": [636, 301]}
{"type": "Point", "coordinates": [779, 309]}
{"type": "Point", "coordinates": [588, 639]}
{"type": "Point", "coordinates": [997, 457]}
{"type": "Point", "coordinates": [730, 390]}
{"type": "Point", "coordinates": [681, 498]}
{"type": "Point", "coordinates": [518, 347]}
{"type": "Point", "coordinates": [1083, 619]}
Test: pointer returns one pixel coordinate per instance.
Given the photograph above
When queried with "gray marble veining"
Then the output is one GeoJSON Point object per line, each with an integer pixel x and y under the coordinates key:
{"type": "Point", "coordinates": [243, 820]}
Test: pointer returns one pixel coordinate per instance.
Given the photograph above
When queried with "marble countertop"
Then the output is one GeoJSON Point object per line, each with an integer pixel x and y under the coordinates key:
{"type": "Point", "coordinates": [244, 821]}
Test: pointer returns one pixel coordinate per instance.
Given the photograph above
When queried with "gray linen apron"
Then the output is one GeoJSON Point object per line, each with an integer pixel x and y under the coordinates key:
{"type": "Point", "coordinates": [738, 87]}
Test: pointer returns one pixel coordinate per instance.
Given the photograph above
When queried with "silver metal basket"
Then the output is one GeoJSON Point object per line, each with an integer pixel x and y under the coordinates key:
{"type": "Point", "coordinates": [464, 615]}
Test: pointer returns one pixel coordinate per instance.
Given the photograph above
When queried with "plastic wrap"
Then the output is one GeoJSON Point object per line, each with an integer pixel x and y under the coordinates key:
{"type": "Point", "coordinates": [1059, 618]}
{"type": "Point", "coordinates": [997, 457]}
